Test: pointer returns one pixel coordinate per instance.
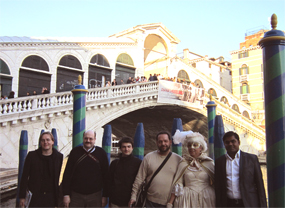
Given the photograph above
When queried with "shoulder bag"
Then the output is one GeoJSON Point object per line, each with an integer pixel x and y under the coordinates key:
{"type": "Point", "coordinates": [142, 192]}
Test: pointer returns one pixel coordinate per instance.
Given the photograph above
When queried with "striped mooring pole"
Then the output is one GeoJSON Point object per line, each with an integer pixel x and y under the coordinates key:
{"type": "Point", "coordinates": [273, 51]}
{"type": "Point", "coordinates": [79, 111]}
{"type": "Point", "coordinates": [54, 133]}
{"type": "Point", "coordinates": [107, 140]}
{"type": "Point", "coordinates": [23, 150]}
{"type": "Point", "coordinates": [219, 131]}
{"type": "Point", "coordinates": [211, 109]}
{"type": "Point", "coordinates": [139, 142]}
{"type": "Point", "coordinates": [42, 131]}
{"type": "Point", "coordinates": [177, 124]}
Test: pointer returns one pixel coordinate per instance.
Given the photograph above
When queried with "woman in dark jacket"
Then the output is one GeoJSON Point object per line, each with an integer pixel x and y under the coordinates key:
{"type": "Point", "coordinates": [41, 174]}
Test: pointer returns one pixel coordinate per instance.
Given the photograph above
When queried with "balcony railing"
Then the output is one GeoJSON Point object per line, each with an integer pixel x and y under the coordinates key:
{"type": "Point", "coordinates": [243, 78]}
{"type": "Point", "coordinates": [244, 97]}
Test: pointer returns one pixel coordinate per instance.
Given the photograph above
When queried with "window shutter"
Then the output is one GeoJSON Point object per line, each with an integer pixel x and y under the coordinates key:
{"type": "Point", "coordinates": [239, 71]}
{"type": "Point", "coordinates": [240, 90]}
{"type": "Point", "coordinates": [247, 89]}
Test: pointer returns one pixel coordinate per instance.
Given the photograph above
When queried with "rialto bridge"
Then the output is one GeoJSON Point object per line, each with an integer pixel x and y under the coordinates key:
{"type": "Point", "coordinates": [123, 107]}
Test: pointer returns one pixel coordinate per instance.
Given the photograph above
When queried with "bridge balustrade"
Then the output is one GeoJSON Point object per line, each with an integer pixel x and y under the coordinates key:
{"type": "Point", "coordinates": [39, 102]}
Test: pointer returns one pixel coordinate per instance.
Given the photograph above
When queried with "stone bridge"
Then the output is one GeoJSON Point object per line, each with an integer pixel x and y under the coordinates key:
{"type": "Point", "coordinates": [121, 106]}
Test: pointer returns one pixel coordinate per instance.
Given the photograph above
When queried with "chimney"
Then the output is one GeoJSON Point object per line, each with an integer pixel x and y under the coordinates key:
{"type": "Point", "coordinates": [186, 53]}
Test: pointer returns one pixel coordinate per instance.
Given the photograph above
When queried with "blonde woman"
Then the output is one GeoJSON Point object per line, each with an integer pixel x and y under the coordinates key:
{"type": "Point", "coordinates": [193, 183]}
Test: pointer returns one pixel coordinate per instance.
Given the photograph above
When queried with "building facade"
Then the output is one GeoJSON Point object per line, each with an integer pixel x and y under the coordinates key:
{"type": "Point", "coordinates": [247, 75]}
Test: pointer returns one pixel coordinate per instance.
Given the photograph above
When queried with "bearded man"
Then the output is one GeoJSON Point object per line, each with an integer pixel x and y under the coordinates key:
{"type": "Point", "coordinates": [160, 187]}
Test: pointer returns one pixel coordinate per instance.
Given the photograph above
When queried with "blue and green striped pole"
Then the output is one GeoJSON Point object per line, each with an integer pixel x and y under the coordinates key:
{"type": "Point", "coordinates": [54, 133]}
{"type": "Point", "coordinates": [273, 49]}
{"type": "Point", "coordinates": [177, 124]}
{"type": "Point", "coordinates": [42, 131]}
{"type": "Point", "coordinates": [79, 111]}
{"type": "Point", "coordinates": [139, 142]}
{"type": "Point", "coordinates": [107, 140]}
{"type": "Point", "coordinates": [211, 109]}
{"type": "Point", "coordinates": [23, 150]}
{"type": "Point", "coordinates": [219, 131]}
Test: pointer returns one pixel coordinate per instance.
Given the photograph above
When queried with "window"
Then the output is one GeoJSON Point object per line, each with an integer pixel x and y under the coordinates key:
{"type": "Point", "coordinates": [235, 108]}
{"type": "Point", "coordinates": [244, 70]}
{"type": "Point", "coordinates": [243, 54]}
{"type": "Point", "coordinates": [244, 89]}
{"type": "Point", "coordinates": [183, 75]}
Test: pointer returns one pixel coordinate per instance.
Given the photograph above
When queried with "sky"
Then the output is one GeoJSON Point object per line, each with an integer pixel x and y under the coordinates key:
{"type": "Point", "coordinates": [205, 27]}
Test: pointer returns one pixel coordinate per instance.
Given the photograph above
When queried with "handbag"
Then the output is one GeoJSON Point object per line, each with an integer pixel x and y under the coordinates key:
{"type": "Point", "coordinates": [142, 191]}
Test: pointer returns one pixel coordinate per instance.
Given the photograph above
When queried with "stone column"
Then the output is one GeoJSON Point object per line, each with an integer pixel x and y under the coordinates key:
{"type": "Point", "coordinates": [177, 124]}
{"type": "Point", "coordinates": [79, 111]}
{"type": "Point", "coordinates": [211, 109]}
{"type": "Point", "coordinates": [273, 51]}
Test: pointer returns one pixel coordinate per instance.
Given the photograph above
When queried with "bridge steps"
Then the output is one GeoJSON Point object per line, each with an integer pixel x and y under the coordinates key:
{"type": "Point", "coordinates": [8, 180]}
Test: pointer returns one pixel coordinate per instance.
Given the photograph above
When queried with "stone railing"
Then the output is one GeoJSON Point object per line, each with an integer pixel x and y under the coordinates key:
{"type": "Point", "coordinates": [39, 102]}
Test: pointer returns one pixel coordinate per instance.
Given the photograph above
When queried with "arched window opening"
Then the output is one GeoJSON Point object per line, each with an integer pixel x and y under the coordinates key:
{"type": "Point", "coordinates": [245, 114]}
{"type": "Point", "coordinates": [99, 72]}
{"type": "Point", "coordinates": [198, 83]}
{"type": "Point", "coordinates": [125, 59]}
{"type": "Point", "coordinates": [70, 61]}
{"type": "Point", "coordinates": [68, 70]}
{"type": "Point", "coordinates": [5, 79]}
{"type": "Point", "coordinates": [35, 79]}
{"type": "Point", "coordinates": [212, 92]}
{"type": "Point", "coordinates": [124, 68]}
{"type": "Point", "coordinates": [183, 77]}
{"type": "Point", "coordinates": [236, 108]}
{"type": "Point", "coordinates": [99, 59]}
{"type": "Point", "coordinates": [244, 70]}
{"type": "Point", "coordinates": [35, 62]}
{"type": "Point", "coordinates": [224, 100]}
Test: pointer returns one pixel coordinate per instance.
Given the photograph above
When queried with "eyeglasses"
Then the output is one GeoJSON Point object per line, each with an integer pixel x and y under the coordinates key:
{"type": "Point", "coordinates": [194, 145]}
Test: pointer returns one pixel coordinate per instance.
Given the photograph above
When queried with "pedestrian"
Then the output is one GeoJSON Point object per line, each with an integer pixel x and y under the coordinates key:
{"type": "Point", "coordinates": [41, 174]}
{"type": "Point", "coordinates": [160, 188]}
{"type": "Point", "coordinates": [238, 177]}
{"type": "Point", "coordinates": [122, 174]}
{"type": "Point", "coordinates": [85, 176]}
{"type": "Point", "coordinates": [114, 83]}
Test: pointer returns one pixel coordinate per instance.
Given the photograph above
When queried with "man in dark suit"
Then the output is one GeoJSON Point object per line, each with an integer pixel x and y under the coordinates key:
{"type": "Point", "coordinates": [238, 177]}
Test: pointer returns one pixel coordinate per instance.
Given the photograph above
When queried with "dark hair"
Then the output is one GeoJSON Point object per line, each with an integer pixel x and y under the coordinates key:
{"type": "Point", "coordinates": [126, 140]}
{"type": "Point", "coordinates": [229, 134]}
{"type": "Point", "coordinates": [46, 132]}
{"type": "Point", "coordinates": [163, 132]}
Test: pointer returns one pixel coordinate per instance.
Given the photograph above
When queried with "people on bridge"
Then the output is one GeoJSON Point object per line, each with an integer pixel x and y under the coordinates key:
{"type": "Point", "coordinates": [114, 83]}
{"type": "Point", "coordinates": [129, 81]}
{"type": "Point", "coordinates": [160, 187]}
{"type": "Point", "coordinates": [194, 180]}
{"type": "Point", "coordinates": [41, 174]}
{"type": "Point", "coordinates": [238, 181]}
{"type": "Point", "coordinates": [85, 176]}
{"type": "Point", "coordinates": [122, 174]}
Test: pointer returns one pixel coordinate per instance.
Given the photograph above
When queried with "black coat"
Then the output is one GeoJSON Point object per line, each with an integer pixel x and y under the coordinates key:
{"type": "Point", "coordinates": [250, 181]}
{"type": "Point", "coordinates": [33, 172]}
{"type": "Point", "coordinates": [122, 174]}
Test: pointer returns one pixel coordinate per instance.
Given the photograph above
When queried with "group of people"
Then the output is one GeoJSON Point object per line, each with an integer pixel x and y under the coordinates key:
{"type": "Point", "coordinates": [194, 180]}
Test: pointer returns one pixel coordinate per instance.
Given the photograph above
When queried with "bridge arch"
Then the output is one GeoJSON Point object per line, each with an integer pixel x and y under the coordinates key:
{"type": "Point", "coordinates": [155, 48]}
{"type": "Point", "coordinates": [34, 74]}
